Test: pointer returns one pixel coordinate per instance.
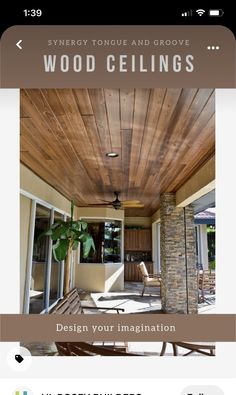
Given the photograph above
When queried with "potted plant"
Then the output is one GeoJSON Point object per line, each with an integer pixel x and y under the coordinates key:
{"type": "Point", "coordinates": [66, 237]}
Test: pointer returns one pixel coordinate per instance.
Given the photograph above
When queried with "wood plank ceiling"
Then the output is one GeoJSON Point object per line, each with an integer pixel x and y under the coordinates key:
{"type": "Point", "coordinates": [162, 137]}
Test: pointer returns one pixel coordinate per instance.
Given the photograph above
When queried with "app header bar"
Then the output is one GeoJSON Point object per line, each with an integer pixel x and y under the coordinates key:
{"type": "Point", "coordinates": [117, 56]}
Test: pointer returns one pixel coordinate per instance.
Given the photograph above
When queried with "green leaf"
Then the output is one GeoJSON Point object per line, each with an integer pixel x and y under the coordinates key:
{"type": "Point", "coordinates": [47, 232]}
{"type": "Point", "coordinates": [58, 232]}
{"type": "Point", "coordinates": [77, 225]}
{"type": "Point", "coordinates": [56, 224]}
{"type": "Point", "coordinates": [82, 236]}
{"type": "Point", "coordinates": [84, 225]}
{"type": "Point", "coordinates": [75, 245]}
{"type": "Point", "coordinates": [69, 233]}
{"type": "Point", "coordinates": [74, 225]}
{"type": "Point", "coordinates": [87, 245]}
{"type": "Point", "coordinates": [60, 249]}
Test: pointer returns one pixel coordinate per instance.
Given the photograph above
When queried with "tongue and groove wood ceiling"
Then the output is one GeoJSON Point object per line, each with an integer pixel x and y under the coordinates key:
{"type": "Point", "coordinates": [162, 137]}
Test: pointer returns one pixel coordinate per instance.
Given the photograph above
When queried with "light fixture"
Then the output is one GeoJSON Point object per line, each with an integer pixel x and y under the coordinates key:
{"type": "Point", "coordinates": [112, 154]}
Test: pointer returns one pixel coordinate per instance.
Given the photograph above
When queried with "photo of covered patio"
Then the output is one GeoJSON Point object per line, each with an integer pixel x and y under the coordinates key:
{"type": "Point", "coordinates": [139, 165]}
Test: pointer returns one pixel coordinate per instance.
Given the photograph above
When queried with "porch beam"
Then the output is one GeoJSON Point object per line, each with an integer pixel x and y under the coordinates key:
{"type": "Point", "coordinates": [202, 182]}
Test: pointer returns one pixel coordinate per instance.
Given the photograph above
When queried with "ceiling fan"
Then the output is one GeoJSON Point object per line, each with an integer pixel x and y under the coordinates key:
{"type": "Point", "coordinates": [117, 204]}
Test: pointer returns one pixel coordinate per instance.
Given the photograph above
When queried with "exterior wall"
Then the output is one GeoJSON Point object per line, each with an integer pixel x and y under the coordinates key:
{"type": "Point", "coordinates": [202, 182]}
{"type": "Point", "coordinates": [95, 212]}
{"type": "Point", "coordinates": [25, 209]}
{"type": "Point", "coordinates": [179, 282]}
{"type": "Point", "coordinates": [114, 277]}
{"type": "Point", "coordinates": [34, 185]}
{"type": "Point", "coordinates": [146, 222]}
{"type": "Point", "coordinates": [98, 277]}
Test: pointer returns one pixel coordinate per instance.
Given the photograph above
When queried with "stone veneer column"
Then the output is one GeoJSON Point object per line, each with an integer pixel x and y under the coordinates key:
{"type": "Point", "coordinates": [178, 266]}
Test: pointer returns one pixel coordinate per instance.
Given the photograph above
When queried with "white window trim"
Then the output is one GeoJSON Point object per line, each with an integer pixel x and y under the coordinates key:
{"type": "Point", "coordinates": [156, 247]}
{"type": "Point", "coordinates": [29, 258]}
{"type": "Point", "coordinates": [43, 202]}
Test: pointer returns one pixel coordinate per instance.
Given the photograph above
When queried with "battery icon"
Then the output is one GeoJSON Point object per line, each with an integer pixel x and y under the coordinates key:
{"type": "Point", "coordinates": [216, 12]}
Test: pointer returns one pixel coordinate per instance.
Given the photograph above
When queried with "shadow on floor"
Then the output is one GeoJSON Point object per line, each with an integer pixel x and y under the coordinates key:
{"type": "Point", "coordinates": [137, 298]}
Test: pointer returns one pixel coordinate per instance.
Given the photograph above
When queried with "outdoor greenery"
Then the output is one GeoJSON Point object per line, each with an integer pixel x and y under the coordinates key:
{"type": "Point", "coordinates": [66, 236]}
{"type": "Point", "coordinates": [212, 265]}
{"type": "Point", "coordinates": [211, 242]}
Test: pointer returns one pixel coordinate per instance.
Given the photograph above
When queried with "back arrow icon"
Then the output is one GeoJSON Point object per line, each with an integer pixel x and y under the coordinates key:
{"type": "Point", "coordinates": [18, 44]}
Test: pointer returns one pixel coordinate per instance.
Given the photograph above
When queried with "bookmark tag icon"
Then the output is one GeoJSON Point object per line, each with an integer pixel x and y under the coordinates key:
{"type": "Point", "coordinates": [19, 359]}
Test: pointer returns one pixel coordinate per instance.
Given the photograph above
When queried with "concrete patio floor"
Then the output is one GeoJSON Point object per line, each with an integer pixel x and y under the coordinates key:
{"type": "Point", "coordinates": [132, 301]}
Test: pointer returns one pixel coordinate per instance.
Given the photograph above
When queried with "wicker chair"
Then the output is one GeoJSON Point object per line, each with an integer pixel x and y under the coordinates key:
{"type": "Point", "coordinates": [149, 280]}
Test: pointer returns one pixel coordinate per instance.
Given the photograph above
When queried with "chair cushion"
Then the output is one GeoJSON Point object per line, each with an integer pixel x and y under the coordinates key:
{"type": "Point", "coordinates": [143, 269]}
{"type": "Point", "coordinates": [152, 281]}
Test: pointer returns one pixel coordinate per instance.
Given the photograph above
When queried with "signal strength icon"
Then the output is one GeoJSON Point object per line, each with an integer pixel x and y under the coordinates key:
{"type": "Point", "coordinates": [187, 13]}
{"type": "Point", "coordinates": [200, 12]}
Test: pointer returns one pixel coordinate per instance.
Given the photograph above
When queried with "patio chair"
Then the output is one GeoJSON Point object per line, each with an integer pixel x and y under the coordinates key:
{"type": "Point", "coordinates": [149, 280]}
{"type": "Point", "coordinates": [71, 304]}
{"type": "Point", "coordinates": [201, 348]}
{"type": "Point", "coordinates": [87, 349]}
{"type": "Point", "coordinates": [206, 283]}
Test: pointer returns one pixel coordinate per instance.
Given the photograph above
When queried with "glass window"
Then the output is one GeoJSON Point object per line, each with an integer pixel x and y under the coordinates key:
{"type": "Point", "coordinates": [40, 259]}
{"type": "Point", "coordinates": [112, 241]}
{"type": "Point", "coordinates": [211, 246]}
{"type": "Point", "coordinates": [107, 239]}
{"type": "Point", "coordinates": [46, 283]}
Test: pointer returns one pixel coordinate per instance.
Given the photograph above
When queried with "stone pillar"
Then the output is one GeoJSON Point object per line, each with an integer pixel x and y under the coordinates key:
{"type": "Point", "coordinates": [178, 266]}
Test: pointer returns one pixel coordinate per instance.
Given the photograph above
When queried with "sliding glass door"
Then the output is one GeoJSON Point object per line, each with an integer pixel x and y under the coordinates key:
{"type": "Point", "coordinates": [40, 260]}
{"type": "Point", "coordinates": [46, 282]}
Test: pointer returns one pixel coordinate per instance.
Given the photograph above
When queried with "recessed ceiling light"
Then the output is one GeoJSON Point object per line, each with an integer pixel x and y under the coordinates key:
{"type": "Point", "coordinates": [112, 154]}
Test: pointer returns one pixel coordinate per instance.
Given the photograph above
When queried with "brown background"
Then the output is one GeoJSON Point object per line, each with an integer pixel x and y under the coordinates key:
{"type": "Point", "coordinates": [24, 68]}
{"type": "Point", "coordinates": [207, 327]}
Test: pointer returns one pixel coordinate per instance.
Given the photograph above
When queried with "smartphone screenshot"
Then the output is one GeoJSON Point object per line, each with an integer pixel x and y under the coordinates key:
{"type": "Point", "coordinates": [117, 164]}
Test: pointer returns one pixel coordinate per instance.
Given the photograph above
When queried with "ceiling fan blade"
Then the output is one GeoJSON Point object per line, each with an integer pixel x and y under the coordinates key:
{"type": "Point", "coordinates": [97, 204]}
{"type": "Point", "coordinates": [133, 205]}
{"type": "Point", "coordinates": [130, 201]}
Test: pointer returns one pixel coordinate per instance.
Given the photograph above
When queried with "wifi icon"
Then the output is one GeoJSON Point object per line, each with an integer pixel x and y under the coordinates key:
{"type": "Point", "coordinates": [200, 12]}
